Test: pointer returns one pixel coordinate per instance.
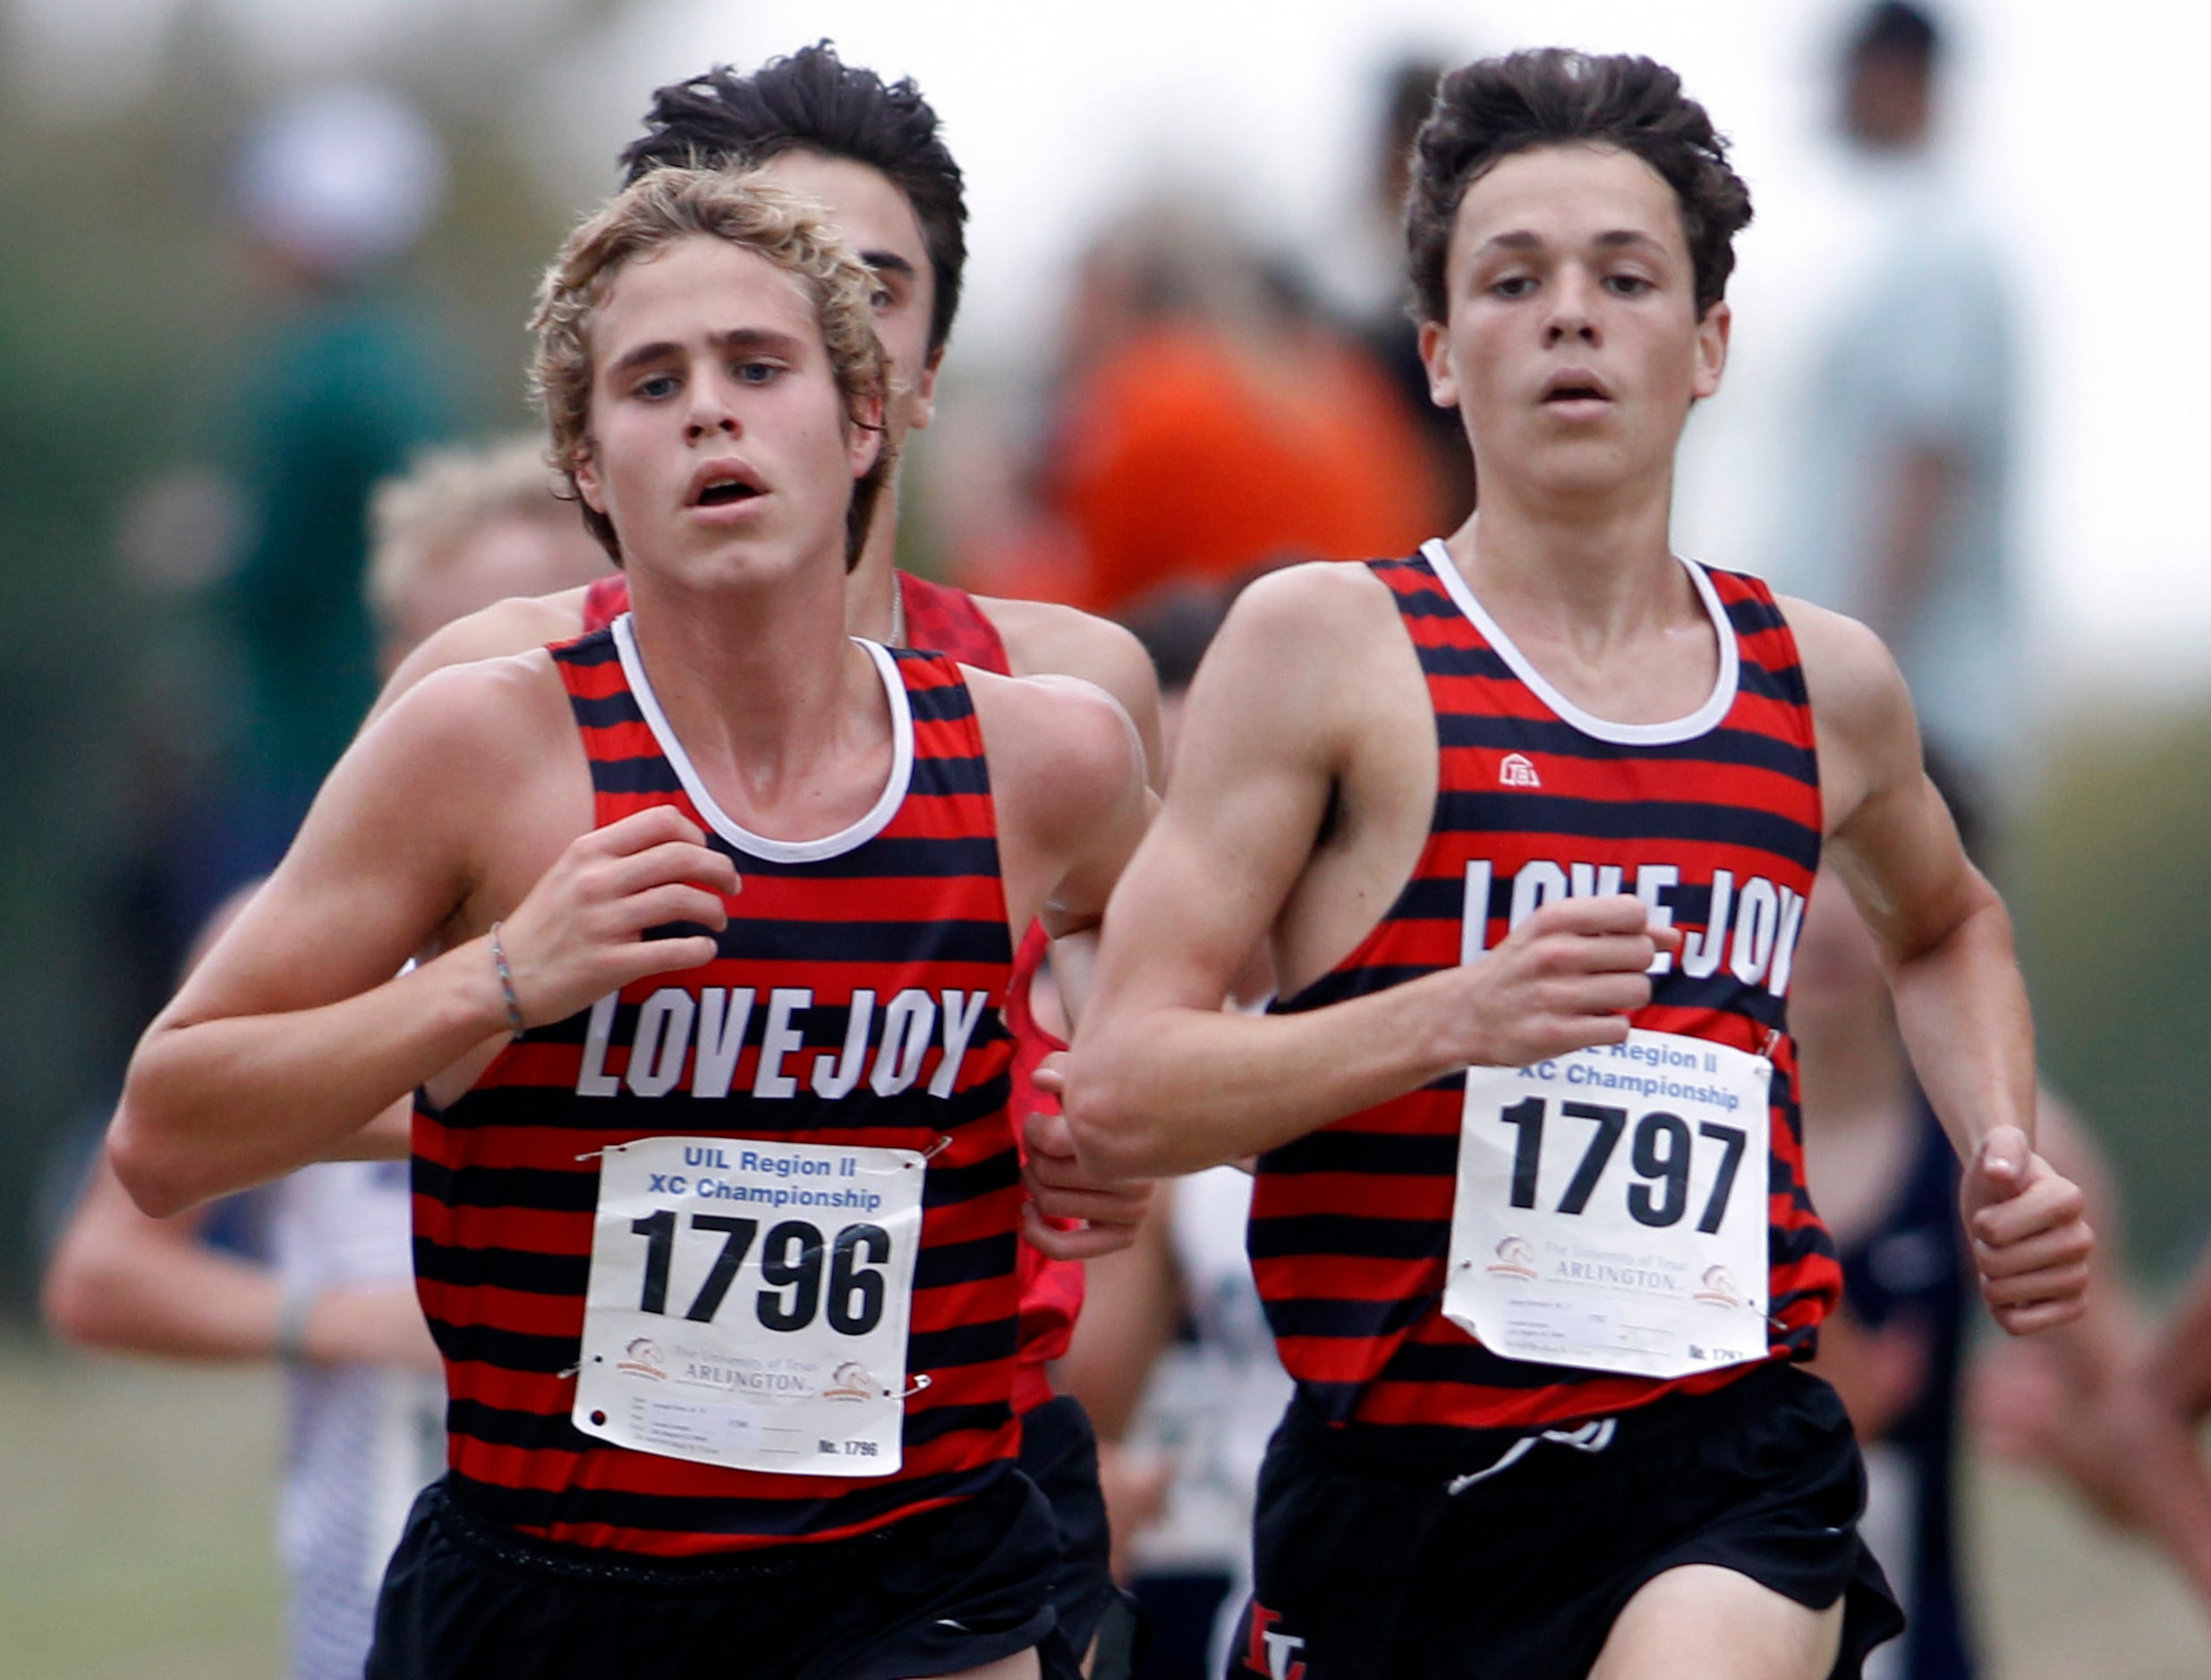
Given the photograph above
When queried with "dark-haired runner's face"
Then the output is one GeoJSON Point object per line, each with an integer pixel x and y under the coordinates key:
{"type": "Point", "coordinates": [878, 220]}
{"type": "Point", "coordinates": [1573, 349]}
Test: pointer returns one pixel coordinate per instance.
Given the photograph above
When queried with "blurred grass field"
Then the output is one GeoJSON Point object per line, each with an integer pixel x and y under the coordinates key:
{"type": "Point", "coordinates": [135, 1525]}
{"type": "Point", "coordinates": [135, 1541]}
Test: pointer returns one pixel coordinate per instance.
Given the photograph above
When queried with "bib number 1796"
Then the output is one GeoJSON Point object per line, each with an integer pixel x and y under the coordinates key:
{"type": "Point", "coordinates": [791, 1265]}
{"type": "Point", "coordinates": [749, 1301]}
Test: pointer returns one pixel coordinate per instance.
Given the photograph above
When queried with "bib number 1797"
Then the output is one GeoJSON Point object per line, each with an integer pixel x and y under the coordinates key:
{"type": "Point", "coordinates": [1612, 1207]}
{"type": "Point", "coordinates": [1660, 1150]}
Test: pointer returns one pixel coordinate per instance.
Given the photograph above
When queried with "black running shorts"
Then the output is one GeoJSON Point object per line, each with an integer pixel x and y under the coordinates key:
{"type": "Point", "coordinates": [1059, 1453]}
{"type": "Point", "coordinates": [1368, 1565]}
{"type": "Point", "coordinates": [949, 1590]}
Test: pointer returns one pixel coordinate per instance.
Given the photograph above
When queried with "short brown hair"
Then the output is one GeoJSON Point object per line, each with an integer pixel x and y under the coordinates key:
{"type": "Point", "coordinates": [1553, 97]}
{"type": "Point", "coordinates": [652, 213]}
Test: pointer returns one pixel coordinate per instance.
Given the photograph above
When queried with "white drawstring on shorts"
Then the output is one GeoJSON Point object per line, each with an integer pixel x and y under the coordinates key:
{"type": "Point", "coordinates": [1592, 1436]}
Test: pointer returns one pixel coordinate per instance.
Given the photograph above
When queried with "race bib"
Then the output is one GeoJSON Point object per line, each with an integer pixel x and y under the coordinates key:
{"type": "Point", "coordinates": [748, 1303]}
{"type": "Point", "coordinates": [1611, 1212]}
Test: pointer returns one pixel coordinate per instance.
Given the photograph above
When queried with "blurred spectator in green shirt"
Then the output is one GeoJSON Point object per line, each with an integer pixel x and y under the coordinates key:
{"type": "Point", "coordinates": [332, 190]}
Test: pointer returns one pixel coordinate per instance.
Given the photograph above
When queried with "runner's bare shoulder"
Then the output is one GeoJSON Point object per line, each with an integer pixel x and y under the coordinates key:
{"type": "Point", "coordinates": [515, 625]}
{"type": "Point", "coordinates": [1061, 749]}
{"type": "Point", "coordinates": [1312, 656]}
{"type": "Point", "coordinates": [1861, 710]}
{"type": "Point", "coordinates": [1045, 637]}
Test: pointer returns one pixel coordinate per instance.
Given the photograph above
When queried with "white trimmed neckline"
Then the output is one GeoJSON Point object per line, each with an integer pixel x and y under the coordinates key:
{"type": "Point", "coordinates": [736, 833]}
{"type": "Point", "coordinates": [1705, 718]}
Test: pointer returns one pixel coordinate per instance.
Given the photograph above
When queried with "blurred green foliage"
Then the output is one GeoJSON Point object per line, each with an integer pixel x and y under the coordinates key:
{"type": "Point", "coordinates": [2118, 942]}
{"type": "Point", "coordinates": [129, 311]}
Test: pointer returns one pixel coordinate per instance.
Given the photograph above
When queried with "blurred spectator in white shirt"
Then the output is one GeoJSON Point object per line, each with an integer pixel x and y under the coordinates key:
{"type": "Point", "coordinates": [1898, 507]}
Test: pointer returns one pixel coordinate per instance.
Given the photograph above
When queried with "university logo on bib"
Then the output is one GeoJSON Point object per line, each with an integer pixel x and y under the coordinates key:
{"type": "Point", "coordinates": [1516, 769]}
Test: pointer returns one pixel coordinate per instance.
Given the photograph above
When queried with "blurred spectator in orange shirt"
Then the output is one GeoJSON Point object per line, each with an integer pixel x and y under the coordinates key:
{"type": "Point", "coordinates": [1212, 422]}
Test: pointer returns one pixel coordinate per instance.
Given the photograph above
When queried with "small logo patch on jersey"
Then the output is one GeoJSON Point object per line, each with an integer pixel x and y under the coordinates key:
{"type": "Point", "coordinates": [1518, 770]}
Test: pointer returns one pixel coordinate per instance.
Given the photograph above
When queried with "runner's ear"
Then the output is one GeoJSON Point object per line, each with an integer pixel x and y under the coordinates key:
{"type": "Point", "coordinates": [584, 465]}
{"type": "Point", "coordinates": [1436, 356]}
{"type": "Point", "coordinates": [1711, 343]}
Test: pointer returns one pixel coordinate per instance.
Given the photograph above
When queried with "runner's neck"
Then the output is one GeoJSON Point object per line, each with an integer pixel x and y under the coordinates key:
{"type": "Point", "coordinates": [772, 700]}
{"type": "Point", "coordinates": [1610, 618]}
{"type": "Point", "coordinates": [870, 592]}
{"type": "Point", "coordinates": [1593, 584]}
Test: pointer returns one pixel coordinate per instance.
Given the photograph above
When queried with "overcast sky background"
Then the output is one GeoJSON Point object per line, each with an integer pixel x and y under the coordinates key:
{"type": "Point", "coordinates": [2081, 126]}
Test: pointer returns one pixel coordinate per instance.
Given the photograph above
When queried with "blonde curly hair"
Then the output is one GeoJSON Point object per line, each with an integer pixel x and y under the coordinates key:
{"type": "Point", "coordinates": [790, 230]}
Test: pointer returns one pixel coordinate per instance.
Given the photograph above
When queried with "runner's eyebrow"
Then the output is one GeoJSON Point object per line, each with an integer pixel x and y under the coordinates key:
{"type": "Point", "coordinates": [1527, 239]}
{"type": "Point", "coordinates": [889, 262]}
{"type": "Point", "coordinates": [736, 338]}
{"type": "Point", "coordinates": [756, 338]}
{"type": "Point", "coordinates": [641, 356]}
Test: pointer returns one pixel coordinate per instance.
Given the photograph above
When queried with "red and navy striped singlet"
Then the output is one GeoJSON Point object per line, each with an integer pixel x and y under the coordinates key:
{"type": "Point", "coordinates": [937, 617]}
{"type": "Point", "coordinates": [1713, 819]}
{"type": "Point", "coordinates": [946, 620]}
{"type": "Point", "coordinates": [906, 905]}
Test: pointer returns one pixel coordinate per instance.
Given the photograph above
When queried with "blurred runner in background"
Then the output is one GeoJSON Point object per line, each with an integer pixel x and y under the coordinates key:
{"type": "Point", "coordinates": [466, 528]}
{"type": "Point", "coordinates": [1884, 1178]}
{"type": "Point", "coordinates": [333, 1299]}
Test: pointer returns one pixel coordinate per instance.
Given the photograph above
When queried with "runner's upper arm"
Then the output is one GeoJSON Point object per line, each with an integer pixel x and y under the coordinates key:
{"type": "Point", "coordinates": [1255, 765]}
{"type": "Point", "coordinates": [1889, 834]}
{"type": "Point", "coordinates": [1068, 772]}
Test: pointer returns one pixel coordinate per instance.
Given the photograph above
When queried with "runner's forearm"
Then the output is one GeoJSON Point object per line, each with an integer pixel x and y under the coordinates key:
{"type": "Point", "coordinates": [389, 1137]}
{"type": "Point", "coordinates": [192, 1304]}
{"type": "Point", "coordinates": [1176, 1089]}
{"type": "Point", "coordinates": [215, 1105]}
{"type": "Point", "coordinates": [1074, 963]}
{"type": "Point", "coordinates": [1962, 1007]}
